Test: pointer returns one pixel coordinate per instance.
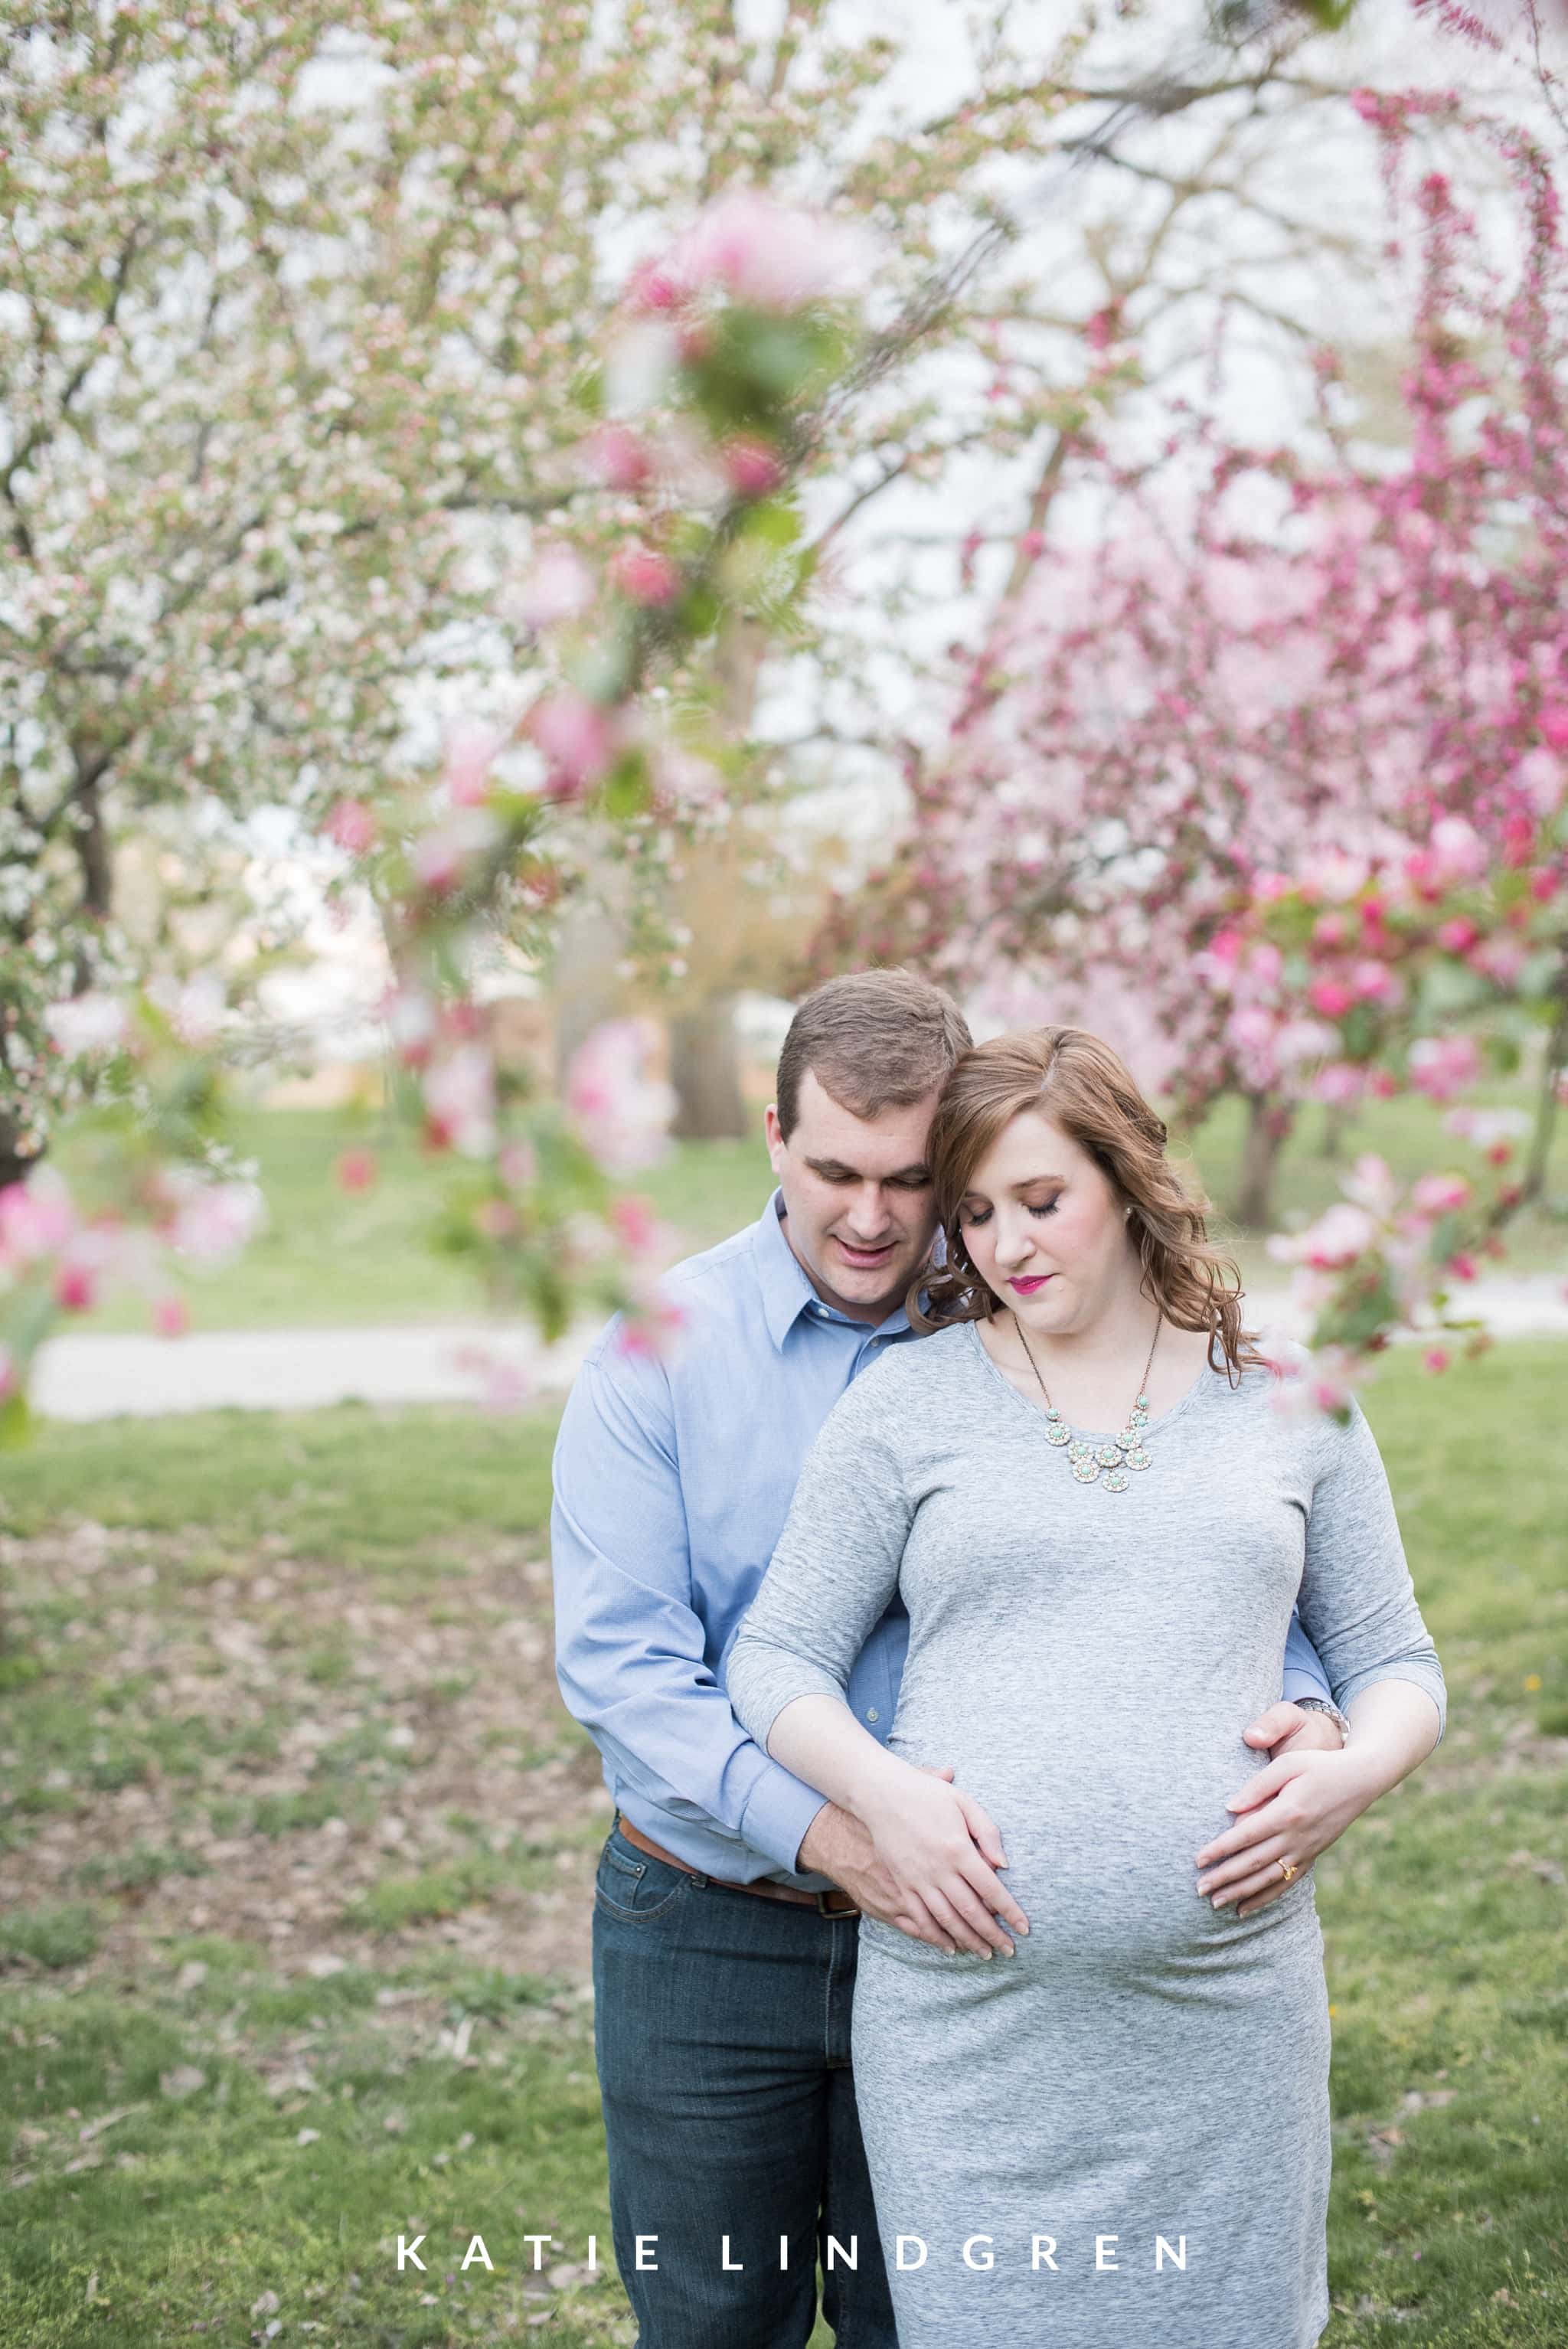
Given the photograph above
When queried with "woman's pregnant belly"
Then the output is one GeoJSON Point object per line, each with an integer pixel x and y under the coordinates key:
{"type": "Point", "coordinates": [1100, 1820]}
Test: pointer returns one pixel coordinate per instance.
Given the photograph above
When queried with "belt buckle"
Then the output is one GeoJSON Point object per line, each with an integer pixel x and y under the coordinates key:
{"type": "Point", "coordinates": [834, 1890]}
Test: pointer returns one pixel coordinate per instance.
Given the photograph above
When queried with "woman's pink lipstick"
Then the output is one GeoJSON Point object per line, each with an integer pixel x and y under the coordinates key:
{"type": "Point", "coordinates": [1031, 1281]}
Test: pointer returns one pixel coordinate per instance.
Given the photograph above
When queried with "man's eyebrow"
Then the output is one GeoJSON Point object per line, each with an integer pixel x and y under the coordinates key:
{"type": "Point", "coordinates": [919, 1173]}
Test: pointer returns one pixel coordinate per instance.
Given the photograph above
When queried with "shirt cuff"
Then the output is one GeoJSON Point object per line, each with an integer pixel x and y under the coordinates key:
{"type": "Point", "coordinates": [1299, 1683]}
{"type": "Point", "coordinates": [779, 1810]}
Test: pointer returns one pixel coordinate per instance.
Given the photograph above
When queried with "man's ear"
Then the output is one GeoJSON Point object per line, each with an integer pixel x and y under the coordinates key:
{"type": "Point", "coordinates": [774, 1131]}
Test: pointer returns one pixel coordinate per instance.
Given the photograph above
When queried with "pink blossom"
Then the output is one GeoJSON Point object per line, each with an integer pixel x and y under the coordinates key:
{"type": "Point", "coordinates": [645, 575]}
{"type": "Point", "coordinates": [36, 1218]}
{"type": "Point", "coordinates": [355, 1170]}
{"type": "Point", "coordinates": [1463, 1266]}
{"type": "Point", "coordinates": [1440, 1194]}
{"type": "Point", "coordinates": [577, 738]}
{"type": "Point", "coordinates": [1340, 1083]}
{"type": "Point", "coordinates": [1330, 873]}
{"type": "Point", "coordinates": [652, 1324]}
{"type": "Point", "coordinates": [1458, 937]}
{"type": "Point", "coordinates": [1374, 983]}
{"type": "Point", "coordinates": [86, 1024]}
{"type": "Point", "coordinates": [171, 1316]}
{"type": "Point", "coordinates": [636, 1222]}
{"type": "Point", "coordinates": [1304, 1039]}
{"type": "Point", "coordinates": [1331, 996]}
{"type": "Point", "coordinates": [559, 588]}
{"type": "Point", "coordinates": [410, 1017]}
{"type": "Point", "coordinates": [459, 1101]}
{"type": "Point", "coordinates": [1443, 1066]}
{"type": "Point", "coordinates": [1500, 960]}
{"type": "Point", "coordinates": [1485, 1127]}
{"type": "Point", "coordinates": [1341, 1234]}
{"type": "Point", "coordinates": [751, 467]}
{"type": "Point", "coordinates": [470, 752]}
{"type": "Point", "coordinates": [212, 1221]}
{"type": "Point", "coordinates": [768, 257]}
{"type": "Point", "coordinates": [619, 1104]}
{"type": "Point", "coordinates": [1371, 1184]}
{"type": "Point", "coordinates": [653, 285]}
{"type": "Point", "coordinates": [1456, 851]}
{"type": "Point", "coordinates": [76, 1287]}
{"type": "Point", "coordinates": [618, 457]}
{"type": "Point", "coordinates": [1436, 1359]}
{"type": "Point", "coordinates": [1329, 930]}
{"type": "Point", "coordinates": [1554, 727]}
{"type": "Point", "coordinates": [352, 825]}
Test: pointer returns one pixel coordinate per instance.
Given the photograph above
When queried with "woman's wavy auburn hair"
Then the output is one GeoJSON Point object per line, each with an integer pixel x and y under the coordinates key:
{"type": "Point", "coordinates": [1083, 1087]}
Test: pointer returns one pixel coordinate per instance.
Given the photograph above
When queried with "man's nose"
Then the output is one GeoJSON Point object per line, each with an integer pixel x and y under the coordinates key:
{"type": "Point", "coordinates": [869, 1212]}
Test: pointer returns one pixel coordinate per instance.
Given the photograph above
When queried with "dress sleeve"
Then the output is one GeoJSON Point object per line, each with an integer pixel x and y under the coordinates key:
{"type": "Point", "coordinates": [1358, 1605]}
{"type": "Point", "coordinates": [836, 1565]}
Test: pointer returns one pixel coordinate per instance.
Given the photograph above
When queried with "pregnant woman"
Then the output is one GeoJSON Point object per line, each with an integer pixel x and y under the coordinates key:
{"type": "Point", "coordinates": [1113, 2133]}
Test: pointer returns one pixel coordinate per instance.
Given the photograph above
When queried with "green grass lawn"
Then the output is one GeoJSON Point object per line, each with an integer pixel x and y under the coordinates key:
{"type": "Point", "coordinates": [295, 1860]}
{"type": "Point", "coordinates": [334, 1256]}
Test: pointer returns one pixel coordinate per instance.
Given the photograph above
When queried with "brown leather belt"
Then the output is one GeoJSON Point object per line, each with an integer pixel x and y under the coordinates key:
{"type": "Point", "coordinates": [834, 1902]}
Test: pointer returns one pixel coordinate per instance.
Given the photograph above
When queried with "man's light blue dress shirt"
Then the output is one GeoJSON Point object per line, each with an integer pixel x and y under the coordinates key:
{"type": "Point", "coordinates": [673, 1480]}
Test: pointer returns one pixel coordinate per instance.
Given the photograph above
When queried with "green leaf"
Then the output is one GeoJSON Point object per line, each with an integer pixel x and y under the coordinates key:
{"type": "Point", "coordinates": [626, 787]}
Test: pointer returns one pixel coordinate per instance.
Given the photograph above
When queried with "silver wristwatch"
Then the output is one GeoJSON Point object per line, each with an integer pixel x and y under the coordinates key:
{"type": "Point", "coordinates": [1321, 1704]}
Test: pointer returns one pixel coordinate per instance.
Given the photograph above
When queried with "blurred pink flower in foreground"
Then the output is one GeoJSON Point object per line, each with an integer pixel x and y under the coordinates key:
{"type": "Point", "coordinates": [559, 588]}
{"type": "Point", "coordinates": [352, 825]}
{"type": "Point", "coordinates": [620, 1108]}
{"type": "Point", "coordinates": [1441, 1066]}
{"type": "Point", "coordinates": [1340, 1235]}
{"type": "Point", "coordinates": [210, 1222]}
{"type": "Point", "coordinates": [767, 256]}
{"type": "Point", "coordinates": [459, 1101]}
{"type": "Point", "coordinates": [577, 739]}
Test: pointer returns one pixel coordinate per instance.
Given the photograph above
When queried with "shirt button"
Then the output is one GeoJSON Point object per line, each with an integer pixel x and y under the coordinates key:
{"type": "Point", "coordinates": [870, 1713]}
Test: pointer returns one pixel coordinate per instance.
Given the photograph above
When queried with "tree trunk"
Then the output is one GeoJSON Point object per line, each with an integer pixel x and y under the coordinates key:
{"type": "Point", "coordinates": [586, 986]}
{"type": "Point", "coordinates": [705, 1069]}
{"type": "Point", "coordinates": [1337, 1118]}
{"type": "Point", "coordinates": [13, 1167]}
{"type": "Point", "coordinates": [1268, 1125]}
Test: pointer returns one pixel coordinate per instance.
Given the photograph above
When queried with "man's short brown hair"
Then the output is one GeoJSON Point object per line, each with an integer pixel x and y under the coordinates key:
{"type": "Point", "coordinates": [874, 1040]}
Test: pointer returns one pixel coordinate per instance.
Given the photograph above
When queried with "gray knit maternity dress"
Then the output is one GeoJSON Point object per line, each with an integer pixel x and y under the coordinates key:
{"type": "Point", "coordinates": [1117, 2138]}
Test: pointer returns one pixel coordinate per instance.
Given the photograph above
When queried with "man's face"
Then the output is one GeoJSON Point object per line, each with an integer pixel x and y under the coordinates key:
{"type": "Point", "coordinates": [857, 1198]}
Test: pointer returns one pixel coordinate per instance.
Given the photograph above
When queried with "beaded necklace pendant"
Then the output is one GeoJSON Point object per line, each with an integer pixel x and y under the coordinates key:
{"type": "Point", "coordinates": [1106, 1464]}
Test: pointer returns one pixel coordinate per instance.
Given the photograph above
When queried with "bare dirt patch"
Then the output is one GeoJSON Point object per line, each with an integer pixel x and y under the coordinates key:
{"type": "Point", "coordinates": [336, 1764]}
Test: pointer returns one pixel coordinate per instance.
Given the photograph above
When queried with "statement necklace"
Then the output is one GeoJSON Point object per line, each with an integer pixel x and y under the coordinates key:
{"type": "Point", "coordinates": [1119, 1453]}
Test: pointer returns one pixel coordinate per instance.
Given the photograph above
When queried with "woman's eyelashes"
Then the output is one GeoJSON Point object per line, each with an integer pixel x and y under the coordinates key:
{"type": "Point", "coordinates": [971, 1217]}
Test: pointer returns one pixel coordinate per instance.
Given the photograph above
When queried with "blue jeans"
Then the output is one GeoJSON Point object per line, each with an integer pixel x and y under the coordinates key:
{"type": "Point", "coordinates": [722, 2030]}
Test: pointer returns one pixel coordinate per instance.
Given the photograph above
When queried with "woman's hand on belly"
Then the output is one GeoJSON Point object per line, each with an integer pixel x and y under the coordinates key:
{"type": "Point", "coordinates": [1286, 1815]}
{"type": "Point", "coordinates": [941, 1848]}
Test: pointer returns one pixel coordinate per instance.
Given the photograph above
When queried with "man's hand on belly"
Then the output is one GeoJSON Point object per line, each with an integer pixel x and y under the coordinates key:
{"type": "Point", "coordinates": [1285, 1729]}
{"type": "Point", "coordinates": [836, 1844]}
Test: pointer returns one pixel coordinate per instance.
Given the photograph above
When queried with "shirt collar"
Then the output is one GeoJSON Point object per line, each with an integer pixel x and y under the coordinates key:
{"type": "Point", "coordinates": [786, 1291]}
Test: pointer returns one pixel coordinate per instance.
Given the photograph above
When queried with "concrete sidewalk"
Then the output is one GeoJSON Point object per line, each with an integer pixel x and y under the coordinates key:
{"type": "Point", "coordinates": [82, 1378]}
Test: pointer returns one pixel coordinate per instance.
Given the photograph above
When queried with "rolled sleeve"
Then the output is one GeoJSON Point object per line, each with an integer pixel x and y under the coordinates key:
{"type": "Point", "coordinates": [1304, 1672]}
{"type": "Point", "coordinates": [1358, 1602]}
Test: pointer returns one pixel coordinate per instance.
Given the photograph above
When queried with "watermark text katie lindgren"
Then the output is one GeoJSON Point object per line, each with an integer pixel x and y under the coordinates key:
{"type": "Point", "coordinates": [978, 2253]}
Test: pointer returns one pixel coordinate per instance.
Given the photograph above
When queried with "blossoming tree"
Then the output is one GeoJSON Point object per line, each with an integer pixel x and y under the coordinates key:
{"type": "Point", "coordinates": [1276, 778]}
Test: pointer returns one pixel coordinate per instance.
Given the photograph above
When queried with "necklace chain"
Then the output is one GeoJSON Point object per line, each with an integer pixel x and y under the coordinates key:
{"type": "Point", "coordinates": [1119, 1453]}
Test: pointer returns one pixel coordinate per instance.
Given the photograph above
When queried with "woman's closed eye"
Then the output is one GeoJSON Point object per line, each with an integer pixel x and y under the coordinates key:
{"type": "Point", "coordinates": [971, 1217]}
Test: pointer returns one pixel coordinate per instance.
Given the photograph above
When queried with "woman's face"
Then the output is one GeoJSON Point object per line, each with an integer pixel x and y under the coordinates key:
{"type": "Point", "coordinates": [1043, 1228]}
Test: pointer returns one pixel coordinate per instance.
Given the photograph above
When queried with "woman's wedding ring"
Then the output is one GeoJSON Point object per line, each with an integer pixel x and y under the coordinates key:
{"type": "Point", "coordinates": [1286, 1868]}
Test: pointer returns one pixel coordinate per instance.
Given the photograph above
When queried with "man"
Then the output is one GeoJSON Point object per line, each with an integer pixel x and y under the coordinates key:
{"type": "Point", "coordinates": [725, 1919]}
